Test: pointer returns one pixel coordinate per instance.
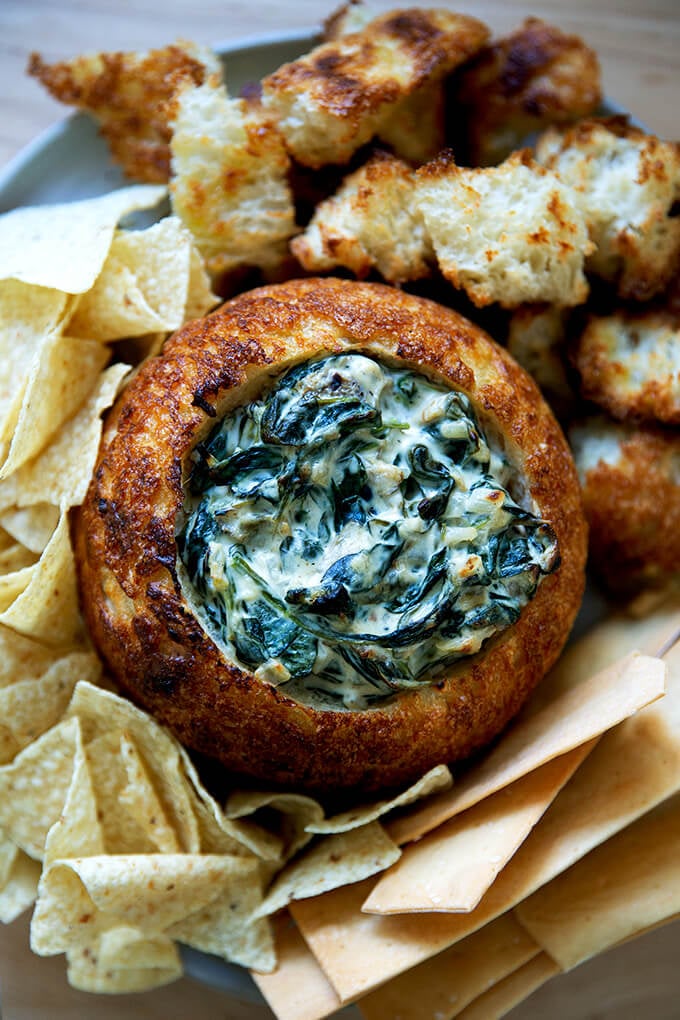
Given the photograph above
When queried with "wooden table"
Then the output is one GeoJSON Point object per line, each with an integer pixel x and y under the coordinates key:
{"type": "Point", "coordinates": [638, 42]}
{"type": "Point", "coordinates": [639, 46]}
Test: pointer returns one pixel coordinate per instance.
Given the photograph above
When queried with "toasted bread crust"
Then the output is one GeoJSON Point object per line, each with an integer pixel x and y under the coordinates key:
{"type": "Point", "coordinates": [116, 87]}
{"type": "Point", "coordinates": [626, 183]}
{"type": "Point", "coordinates": [332, 100]}
{"type": "Point", "coordinates": [632, 502]}
{"type": "Point", "coordinates": [126, 550]}
{"type": "Point", "coordinates": [628, 363]}
{"type": "Point", "coordinates": [529, 79]}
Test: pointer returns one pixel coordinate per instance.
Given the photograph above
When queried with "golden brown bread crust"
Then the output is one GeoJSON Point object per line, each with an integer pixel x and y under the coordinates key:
{"type": "Point", "coordinates": [131, 95]}
{"type": "Point", "coordinates": [332, 100]}
{"type": "Point", "coordinates": [536, 76]}
{"type": "Point", "coordinates": [628, 363]}
{"type": "Point", "coordinates": [633, 509]}
{"type": "Point", "coordinates": [126, 549]}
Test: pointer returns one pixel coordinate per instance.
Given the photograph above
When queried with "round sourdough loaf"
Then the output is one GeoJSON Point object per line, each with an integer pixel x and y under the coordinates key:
{"type": "Point", "coordinates": [126, 541]}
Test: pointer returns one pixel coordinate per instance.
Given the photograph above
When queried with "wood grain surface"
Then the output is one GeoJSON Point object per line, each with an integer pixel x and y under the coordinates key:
{"type": "Point", "coordinates": [639, 47]}
{"type": "Point", "coordinates": [638, 43]}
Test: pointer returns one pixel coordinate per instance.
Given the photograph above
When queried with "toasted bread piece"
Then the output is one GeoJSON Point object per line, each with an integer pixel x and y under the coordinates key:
{"type": "Point", "coordinates": [522, 83]}
{"type": "Point", "coordinates": [629, 363]}
{"type": "Point", "coordinates": [352, 16]}
{"type": "Point", "coordinates": [130, 94]}
{"type": "Point", "coordinates": [537, 336]}
{"type": "Point", "coordinates": [370, 223]}
{"type": "Point", "coordinates": [415, 128]}
{"type": "Point", "coordinates": [333, 100]}
{"type": "Point", "coordinates": [627, 183]}
{"type": "Point", "coordinates": [631, 492]}
{"type": "Point", "coordinates": [230, 184]}
{"type": "Point", "coordinates": [508, 234]}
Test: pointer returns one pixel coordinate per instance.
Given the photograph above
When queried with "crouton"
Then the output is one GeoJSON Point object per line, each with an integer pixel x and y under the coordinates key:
{"type": "Point", "coordinates": [627, 183]}
{"type": "Point", "coordinates": [415, 128]}
{"type": "Point", "coordinates": [230, 184]}
{"type": "Point", "coordinates": [349, 17]}
{"type": "Point", "coordinates": [631, 495]}
{"type": "Point", "coordinates": [370, 223]}
{"type": "Point", "coordinates": [130, 95]}
{"type": "Point", "coordinates": [537, 336]}
{"type": "Point", "coordinates": [508, 234]}
{"type": "Point", "coordinates": [629, 363]}
{"type": "Point", "coordinates": [523, 83]}
{"type": "Point", "coordinates": [333, 100]}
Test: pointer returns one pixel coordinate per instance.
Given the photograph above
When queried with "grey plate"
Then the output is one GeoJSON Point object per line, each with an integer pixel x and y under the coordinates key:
{"type": "Point", "coordinates": [71, 161]}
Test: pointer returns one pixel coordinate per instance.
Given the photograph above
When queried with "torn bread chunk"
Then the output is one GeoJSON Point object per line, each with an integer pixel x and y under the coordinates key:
{"type": "Point", "coordinates": [349, 17]}
{"type": "Point", "coordinates": [415, 128]}
{"type": "Point", "coordinates": [370, 223]}
{"type": "Point", "coordinates": [230, 180]}
{"type": "Point", "coordinates": [522, 83]}
{"type": "Point", "coordinates": [333, 100]}
{"type": "Point", "coordinates": [537, 339]}
{"type": "Point", "coordinates": [508, 234]}
{"type": "Point", "coordinates": [628, 184]}
{"type": "Point", "coordinates": [629, 363]}
{"type": "Point", "coordinates": [631, 492]}
{"type": "Point", "coordinates": [130, 95]}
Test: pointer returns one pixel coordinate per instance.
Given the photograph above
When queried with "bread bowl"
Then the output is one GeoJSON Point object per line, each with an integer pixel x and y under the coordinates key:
{"type": "Point", "coordinates": [144, 603]}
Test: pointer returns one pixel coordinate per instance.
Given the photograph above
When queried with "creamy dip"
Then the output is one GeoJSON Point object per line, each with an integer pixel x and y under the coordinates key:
{"type": "Point", "coordinates": [351, 533]}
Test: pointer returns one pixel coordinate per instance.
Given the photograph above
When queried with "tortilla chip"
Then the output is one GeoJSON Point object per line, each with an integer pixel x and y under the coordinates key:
{"type": "Point", "coordinates": [331, 862]}
{"type": "Point", "coordinates": [34, 786]}
{"type": "Point", "coordinates": [22, 657]}
{"type": "Point", "coordinates": [620, 889]}
{"type": "Point", "coordinates": [63, 373]}
{"type": "Point", "coordinates": [29, 708]}
{"type": "Point", "coordinates": [298, 989]}
{"type": "Point", "coordinates": [20, 889]}
{"type": "Point", "coordinates": [15, 557]}
{"type": "Point", "coordinates": [219, 834]}
{"type": "Point", "coordinates": [78, 831]}
{"type": "Point", "coordinates": [631, 769]}
{"type": "Point", "coordinates": [141, 801]}
{"type": "Point", "coordinates": [227, 926]}
{"type": "Point", "coordinates": [124, 960]}
{"type": "Point", "coordinates": [32, 526]}
{"type": "Point", "coordinates": [8, 855]}
{"type": "Point", "coordinates": [81, 898]}
{"type": "Point", "coordinates": [571, 718]}
{"type": "Point", "coordinates": [124, 832]}
{"type": "Point", "coordinates": [61, 473]}
{"type": "Point", "coordinates": [12, 585]}
{"type": "Point", "coordinates": [143, 286]}
{"type": "Point", "coordinates": [27, 316]}
{"type": "Point", "coordinates": [64, 246]}
{"type": "Point", "coordinates": [47, 608]}
{"type": "Point", "coordinates": [452, 867]}
{"type": "Point", "coordinates": [512, 990]}
{"type": "Point", "coordinates": [441, 988]}
{"type": "Point", "coordinates": [294, 813]}
{"type": "Point", "coordinates": [436, 780]}
{"type": "Point", "coordinates": [104, 715]}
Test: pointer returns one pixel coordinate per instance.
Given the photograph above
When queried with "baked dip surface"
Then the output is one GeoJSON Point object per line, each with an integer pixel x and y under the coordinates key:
{"type": "Point", "coordinates": [351, 533]}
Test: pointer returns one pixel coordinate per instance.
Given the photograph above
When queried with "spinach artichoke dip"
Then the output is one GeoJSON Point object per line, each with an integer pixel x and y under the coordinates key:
{"type": "Point", "coordinates": [352, 532]}
{"type": "Point", "coordinates": [333, 538]}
